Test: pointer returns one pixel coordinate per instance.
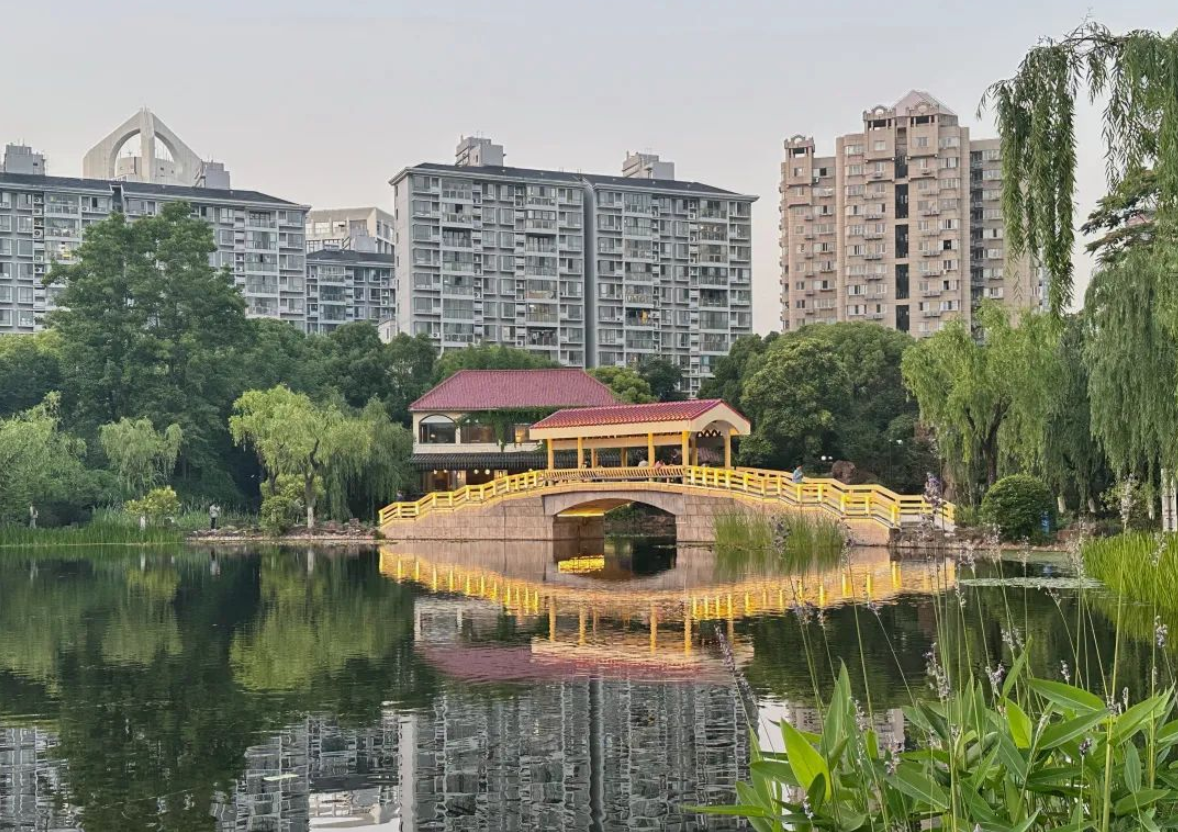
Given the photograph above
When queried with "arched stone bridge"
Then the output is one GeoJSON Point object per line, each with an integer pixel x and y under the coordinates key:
{"type": "Point", "coordinates": [568, 504]}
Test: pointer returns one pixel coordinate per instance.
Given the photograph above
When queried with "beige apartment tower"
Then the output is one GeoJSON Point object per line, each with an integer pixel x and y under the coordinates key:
{"type": "Point", "coordinates": [901, 226]}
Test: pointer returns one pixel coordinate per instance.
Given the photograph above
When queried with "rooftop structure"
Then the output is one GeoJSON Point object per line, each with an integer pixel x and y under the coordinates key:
{"type": "Point", "coordinates": [163, 158]}
{"type": "Point", "coordinates": [366, 229]}
{"type": "Point", "coordinates": [470, 390]}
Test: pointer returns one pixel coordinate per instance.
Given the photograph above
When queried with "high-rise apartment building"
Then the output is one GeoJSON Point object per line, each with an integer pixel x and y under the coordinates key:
{"type": "Point", "coordinates": [586, 269]}
{"type": "Point", "coordinates": [345, 285]}
{"type": "Point", "coordinates": [901, 226]}
{"type": "Point", "coordinates": [357, 229]}
{"type": "Point", "coordinates": [42, 220]}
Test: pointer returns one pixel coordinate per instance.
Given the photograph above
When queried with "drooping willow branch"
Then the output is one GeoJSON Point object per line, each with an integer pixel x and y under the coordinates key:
{"type": "Point", "coordinates": [1138, 74]}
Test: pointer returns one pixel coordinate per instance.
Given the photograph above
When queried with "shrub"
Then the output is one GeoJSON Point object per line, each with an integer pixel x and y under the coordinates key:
{"type": "Point", "coordinates": [158, 505]}
{"type": "Point", "coordinates": [282, 507]}
{"type": "Point", "coordinates": [1016, 505]}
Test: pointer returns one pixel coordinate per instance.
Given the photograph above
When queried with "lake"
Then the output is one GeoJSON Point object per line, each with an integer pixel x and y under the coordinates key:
{"type": "Point", "coordinates": [496, 685]}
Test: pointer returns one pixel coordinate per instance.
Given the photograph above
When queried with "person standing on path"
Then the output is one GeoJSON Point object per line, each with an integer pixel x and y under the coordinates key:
{"type": "Point", "coordinates": [214, 514]}
{"type": "Point", "coordinates": [33, 515]}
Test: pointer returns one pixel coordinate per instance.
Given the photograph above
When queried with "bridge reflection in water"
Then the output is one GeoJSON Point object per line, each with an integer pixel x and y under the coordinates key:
{"type": "Point", "coordinates": [597, 614]}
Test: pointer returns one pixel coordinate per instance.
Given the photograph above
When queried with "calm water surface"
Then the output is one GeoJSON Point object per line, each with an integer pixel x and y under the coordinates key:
{"type": "Point", "coordinates": [488, 686]}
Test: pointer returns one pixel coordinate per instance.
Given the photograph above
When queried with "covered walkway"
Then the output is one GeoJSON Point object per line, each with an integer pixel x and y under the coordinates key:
{"type": "Point", "coordinates": [667, 433]}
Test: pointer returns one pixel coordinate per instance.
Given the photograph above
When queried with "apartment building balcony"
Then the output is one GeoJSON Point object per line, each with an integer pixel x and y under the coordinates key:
{"type": "Point", "coordinates": [874, 276]}
{"type": "Point", "coordinates": [873, 256]}
{"type": "Point", "coordinates": [931, 293]}
{"type": "Point", "coordinates": [875, 316]}
{"type": "Point", "coordinates": [875, 215]}
{"type": "Point", "coordinates": [932, 313]}
{"type": "Point", "coordinates": [873, 236]}
{"type": "Point", "coordinates": [932, 252]}
{"type": "Point", "coordinates": [930, 212]}
{"type": "Point", "coordinates": [642, 344]}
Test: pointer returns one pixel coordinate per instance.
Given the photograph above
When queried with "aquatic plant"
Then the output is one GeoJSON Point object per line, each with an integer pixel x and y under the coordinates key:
{"type": "Point", "coordinates": [1029, 754]}
{"type": "Point", "coordinates": [778, 543]}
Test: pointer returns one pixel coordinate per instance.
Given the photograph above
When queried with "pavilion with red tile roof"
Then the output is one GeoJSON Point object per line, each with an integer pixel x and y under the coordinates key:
{"type": "Point", "coordinates": [683, 426]}
{"type": "Point", "coordinates": [457, 425]}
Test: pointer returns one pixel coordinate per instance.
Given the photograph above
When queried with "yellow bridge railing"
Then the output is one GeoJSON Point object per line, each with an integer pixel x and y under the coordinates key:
{"type": "Point", "coordinates": [846, 502]}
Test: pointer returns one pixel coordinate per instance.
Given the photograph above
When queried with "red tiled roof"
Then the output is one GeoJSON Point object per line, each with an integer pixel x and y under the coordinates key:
{"type": "Point", "coordinates": [470, 390]}
{"type": "Point", "coordinates": [628, 413]}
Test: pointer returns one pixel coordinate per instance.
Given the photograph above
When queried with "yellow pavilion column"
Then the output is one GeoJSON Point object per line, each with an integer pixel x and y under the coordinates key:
{"type": "Point", "coordinates": [580, 452]}
{"type": "Point", "coordinates": [625, 452]}
{"type": "Point", "coordinates": [728, 448]}
{"type": "Point", "coordinates": [593, 457]}
{"type": "Point", "coordinates": [685, 452]}
{"type": "Point", "coordinates": [649, 448]}
{"type": "Point", "coordinates": [551, 456]}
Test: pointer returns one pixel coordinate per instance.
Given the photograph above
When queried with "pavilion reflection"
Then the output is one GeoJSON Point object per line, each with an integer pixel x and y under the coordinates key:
{"type": "Point", "coordinates": [584, 620]}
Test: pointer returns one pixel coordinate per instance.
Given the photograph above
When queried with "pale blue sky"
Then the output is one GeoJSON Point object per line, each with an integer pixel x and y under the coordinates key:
{"type": "Point", "coordinates": [321, 102]}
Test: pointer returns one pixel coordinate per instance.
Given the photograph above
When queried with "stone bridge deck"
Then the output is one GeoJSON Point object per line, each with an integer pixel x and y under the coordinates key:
{"type": "Point", "coordinates": [562, 504]}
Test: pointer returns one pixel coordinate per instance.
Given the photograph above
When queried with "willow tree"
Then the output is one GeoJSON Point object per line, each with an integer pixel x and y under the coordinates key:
{"type": "Point", "coordinates": [1137, 73]}
{"type": "Point", "coordinates": [140, 455]}
{"type": "Point", "coordinates": [984, 398]}
{"type": "Point", "coordinates": [1132, 360]}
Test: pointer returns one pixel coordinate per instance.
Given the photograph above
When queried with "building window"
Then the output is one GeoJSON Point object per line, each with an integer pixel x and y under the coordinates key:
{"type": "Point", "coordinates": [438, 430]}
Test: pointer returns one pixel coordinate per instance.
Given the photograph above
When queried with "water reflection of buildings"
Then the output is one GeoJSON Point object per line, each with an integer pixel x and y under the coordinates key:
{"type": "Point", "coordinates": [31, 783]}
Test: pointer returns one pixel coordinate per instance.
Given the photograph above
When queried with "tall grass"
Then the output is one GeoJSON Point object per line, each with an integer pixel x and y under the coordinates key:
{"type": "Point", "coordinates": [993, 745]}
{"type": "Point", "coordinates": [106, 528]}
{"type": "Point", "coordinates": [781, 543]}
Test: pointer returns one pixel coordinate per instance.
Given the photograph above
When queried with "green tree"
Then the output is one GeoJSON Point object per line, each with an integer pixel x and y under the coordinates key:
{"type": "Point", "coordinates": [625, 384]}
{"type": "Point", "coordinates": [794, 399]}
{"type": "Point", "coordinates": [1073, 462]}
{"type": "Point", "coordinates": [488, 357]}
{"type": "Point", "coordinates": [1035, 113]}
{"type": "Point", "coordinates": [411, 361]}
{"type": "Point", "coordinates": [664, 378]}
{"type": "Point", "coordinates": [1132, 361]}
{"type": "Point", "coordinates": [30, 369]}
{"type": "Point", "coordinates": [39, 463]}
{"type": "Point", "coordinates": [293, 435]}
{"type": "Point", "coordinates": [277, 353]}
{"type": "Point", "coordinates": [988, 396]}
{"type": "Point", "coordinates": [140, 456]}
{"type": "Point", "coordinates": [149, 329]}
{"type": "Point", "coordinates": [730, 372]}
{"type": "Point", "coordinates": [355, 363]}
{"type": "Point", "coordinates": [877, 430]}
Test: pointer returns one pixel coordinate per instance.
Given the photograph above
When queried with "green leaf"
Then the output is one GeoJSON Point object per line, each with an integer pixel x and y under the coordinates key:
{"type": "Point", "coordinates": [1056, 735]}
{"type": "Point", "coordinates": [1132, 768]}
{"type": "Point", "coordinates": [1016, 669]}
{"type": "Point", "coordinates": [1167, 734]}
{"type": "Point", "coordinates": [1139, 800]}
{"type": "Point", "coordinates": [776, 770]}
{"type": "Point", "coordinates": [807, 763]}
{"type": "Point", "coordinates": [1133, 719]}
{"type": "Point", "coordinates": [912, 781]}
{"type": "Point", "coordinates": [1010, 757]}
{"type": "Point", "coordinates": [1066, 696]}
{"type": "Point", "coordinates": [739, 810]}
{"type": "Point", "coordinates": [1019, 724]}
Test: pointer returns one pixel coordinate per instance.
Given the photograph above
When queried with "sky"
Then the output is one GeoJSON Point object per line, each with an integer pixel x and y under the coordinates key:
{"type": "Point", "coordinates": [323, 102]}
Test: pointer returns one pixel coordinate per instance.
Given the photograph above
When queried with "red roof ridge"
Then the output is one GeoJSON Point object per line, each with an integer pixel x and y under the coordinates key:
{"type": "Point", "coordinates": [622, 413]}
{"type": "Point", "coordinates": [555, 387]}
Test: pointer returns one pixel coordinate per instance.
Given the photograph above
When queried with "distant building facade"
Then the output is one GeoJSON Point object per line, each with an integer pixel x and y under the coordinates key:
{"type": "Point", "coordinates": [585, 269]}
{"type": "Point", "coordinates": [344, 285]}
{"type": "Point", "coordinates": [352, 229]}
{"type": "Point", "coordinates": [902, 226]}
{"type": "Point", "coordinates": [42, 219]}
